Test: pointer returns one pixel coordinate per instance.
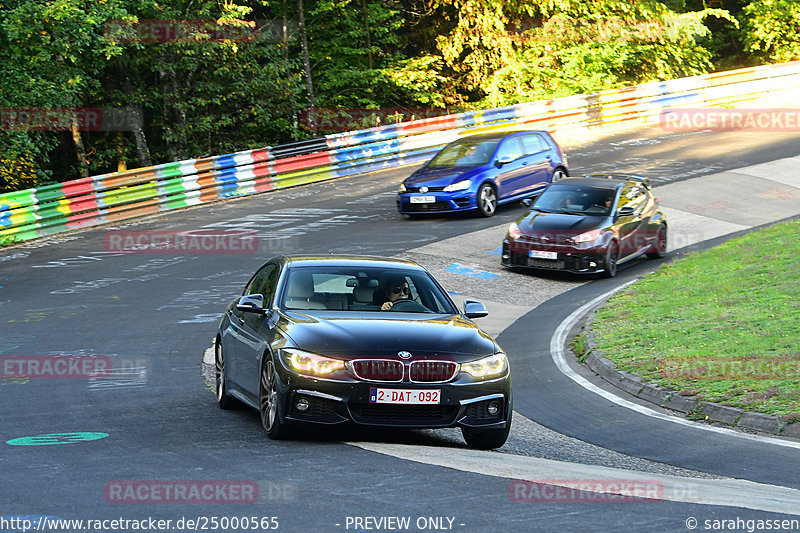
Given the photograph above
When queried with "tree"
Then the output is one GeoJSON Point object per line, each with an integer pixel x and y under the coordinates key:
{"type": "Point", "coordinates": [773, 29]}
{"type": "Point", "coordinates": [53, 60]}
{"type": "Point", "coordinates": [518, 51]}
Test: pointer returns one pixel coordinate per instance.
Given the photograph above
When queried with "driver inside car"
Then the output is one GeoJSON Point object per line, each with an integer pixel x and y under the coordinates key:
{"type": "Point", "coordinates": [396, 289]}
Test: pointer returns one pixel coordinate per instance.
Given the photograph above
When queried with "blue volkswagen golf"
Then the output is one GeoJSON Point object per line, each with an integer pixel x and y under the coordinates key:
{"type": "Point", "coordinates": [480, 172]}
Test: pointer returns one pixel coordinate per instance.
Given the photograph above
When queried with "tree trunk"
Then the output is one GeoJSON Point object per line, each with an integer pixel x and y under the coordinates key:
{"type": "Point", "coordinates": [136, 120]}
{"type": "Point", "coordinates": [139, 139]}
{"type": "Point", "coordinates": [285, 36]}
{"type": "Point", "coordinates": [119, 141]}
{"type": "Point", "coordinates": [369, 39]}
{"type": "Point", "coordinates": [180, 117]}
{"type": "Point", "coordinates": [306, 65]}
{"type": "Point", "coordinates": [79, 150]}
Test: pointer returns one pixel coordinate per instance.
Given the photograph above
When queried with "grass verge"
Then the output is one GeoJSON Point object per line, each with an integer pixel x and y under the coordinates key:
{"type": "Point", "coordinates": [724, 323]}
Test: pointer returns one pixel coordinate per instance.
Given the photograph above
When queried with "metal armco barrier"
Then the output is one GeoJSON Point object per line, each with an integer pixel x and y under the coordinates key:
{"type": "Point", "coordinates": [86, 202]}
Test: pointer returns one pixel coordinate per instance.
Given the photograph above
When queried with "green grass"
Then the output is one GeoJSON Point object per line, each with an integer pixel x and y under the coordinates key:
{"type": "Point", "coordinates": [6, 242]}
{"type": "Point", "coordinates": [579, 346]}
{"type": "Point", "coordinates": [723, 323]}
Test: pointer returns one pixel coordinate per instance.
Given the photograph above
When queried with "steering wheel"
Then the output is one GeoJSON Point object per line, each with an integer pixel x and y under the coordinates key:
{"type": "Point", "coordinates": [409, 305]}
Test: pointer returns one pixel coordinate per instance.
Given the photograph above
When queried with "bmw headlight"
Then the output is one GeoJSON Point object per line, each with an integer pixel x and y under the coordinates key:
{"type": "Point", "coordinates": [458, 186]}
{"type": "Point", "coordinates": [311, 364]}
{"type": "Point", "coordinates": [488, 367]}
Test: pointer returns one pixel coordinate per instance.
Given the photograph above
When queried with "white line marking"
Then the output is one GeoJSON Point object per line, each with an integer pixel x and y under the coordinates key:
{"type": "Point", "coordinates": [557, 342]}
{"type": "Point", "coordinates": [726, 492]}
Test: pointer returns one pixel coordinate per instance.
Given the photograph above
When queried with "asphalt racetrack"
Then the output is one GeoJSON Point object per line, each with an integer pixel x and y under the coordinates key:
{"type": "Point", "coordinates": [146, 442]}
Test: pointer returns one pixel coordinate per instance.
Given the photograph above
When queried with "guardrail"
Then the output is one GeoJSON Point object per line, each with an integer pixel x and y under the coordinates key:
{"type": "Point", "coordinates": [95, 200]}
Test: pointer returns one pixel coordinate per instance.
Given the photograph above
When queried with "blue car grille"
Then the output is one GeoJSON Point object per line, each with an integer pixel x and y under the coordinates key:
{"type": "Point", "coordinates": [427, 208]}
{"type": "Point", "coordinates": [430, 189]}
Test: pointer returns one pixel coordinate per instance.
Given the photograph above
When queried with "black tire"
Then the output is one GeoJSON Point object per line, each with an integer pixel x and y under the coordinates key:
{"type": "Point", "coordinates": [660, 247]}
{"type": "Point", "coordinates": [223, 400]}
{"type": "Point", "coordinates": [269, 406]}
{"type": "Point", "coordinates": [610, 261]}
{"type": "Point", "coordinates": [558, 174]}
{"type": "Point", "coordinates": [487, 439]}
{"type": "Point", "coordinates": [487, 200]}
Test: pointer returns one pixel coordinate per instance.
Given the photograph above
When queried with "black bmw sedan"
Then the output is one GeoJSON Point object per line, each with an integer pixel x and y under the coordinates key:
{"type": "Point", "coordinates": [370, 341]}
{"type": "Point", "coordinates": [588, 225]}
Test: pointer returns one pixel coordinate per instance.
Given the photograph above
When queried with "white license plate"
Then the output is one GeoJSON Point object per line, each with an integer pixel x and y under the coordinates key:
{"type": "Point", "coordinates": [422, 199]}
{"type": "Point", "coordinates": [539, 254]}
{"type": "Point", "coordinates": [405, 396]}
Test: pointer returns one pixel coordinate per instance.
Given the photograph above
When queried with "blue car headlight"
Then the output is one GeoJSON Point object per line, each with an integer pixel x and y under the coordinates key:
{"type": "Point", "coordinates": [402, 187]}
{"type": "Point", "coordinates": [458, 186]}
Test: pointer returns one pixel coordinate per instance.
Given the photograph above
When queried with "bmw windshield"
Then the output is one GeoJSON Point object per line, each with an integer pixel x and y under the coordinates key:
{"type": "Point", "coordinates": [359, 288]}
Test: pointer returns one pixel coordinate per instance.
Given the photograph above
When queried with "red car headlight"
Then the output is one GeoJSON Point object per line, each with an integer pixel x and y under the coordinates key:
{"type": "Point", "coordinates": [589, 236]}
{"type": "Point", "coordinates": [513, 231]}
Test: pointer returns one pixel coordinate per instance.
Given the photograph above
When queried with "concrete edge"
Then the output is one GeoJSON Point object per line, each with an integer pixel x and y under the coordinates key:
{"type": "Point", "coordinates": [690, 407]}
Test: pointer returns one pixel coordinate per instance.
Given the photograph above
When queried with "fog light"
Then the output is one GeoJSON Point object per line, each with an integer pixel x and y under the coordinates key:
{"type": "Point", "coordinates": [592, 264]}
{"type": "Point", "coordinates": [493, 408]}
{"type": "Point", "coordinates": [302, 404]}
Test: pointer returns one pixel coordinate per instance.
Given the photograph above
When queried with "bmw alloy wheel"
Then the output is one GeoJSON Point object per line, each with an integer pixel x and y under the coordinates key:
{"type": "Point", "coordinates": [268, 401]}
{"type": "Point", "coordinates": [223, 400]}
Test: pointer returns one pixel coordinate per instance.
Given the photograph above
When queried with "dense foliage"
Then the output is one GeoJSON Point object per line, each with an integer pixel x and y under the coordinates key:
{"type": "Point", "coordinates": [188, 78]}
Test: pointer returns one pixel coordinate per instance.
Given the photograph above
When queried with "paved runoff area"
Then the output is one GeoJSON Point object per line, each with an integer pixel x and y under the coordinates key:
{"type": "Point", "coordinates": [469, 266]}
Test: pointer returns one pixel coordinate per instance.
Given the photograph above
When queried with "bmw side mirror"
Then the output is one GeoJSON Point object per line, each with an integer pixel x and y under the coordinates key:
{"type": "Point", "coordinates": [474, 309]}
{"type": "Point", "coordinates": [253, 303]}
{"type": "Point", "coordinates": [625, 211]}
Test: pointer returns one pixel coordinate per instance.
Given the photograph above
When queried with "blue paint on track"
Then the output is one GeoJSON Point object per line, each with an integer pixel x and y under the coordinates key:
{"type": "Point", "coordinates": [497, 251]}
{"type": "Point", "coordinates": [466, 270]}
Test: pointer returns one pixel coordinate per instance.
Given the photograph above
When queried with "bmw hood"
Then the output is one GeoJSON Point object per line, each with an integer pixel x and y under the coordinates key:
{"type": "Point", "coordinates": [384, 334]}
{"type": "Point", "coordinates": [439, 176]}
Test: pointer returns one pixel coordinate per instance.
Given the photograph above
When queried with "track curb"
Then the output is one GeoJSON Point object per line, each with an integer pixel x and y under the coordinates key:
{"type": "Point", "coordinates": [689, 407]}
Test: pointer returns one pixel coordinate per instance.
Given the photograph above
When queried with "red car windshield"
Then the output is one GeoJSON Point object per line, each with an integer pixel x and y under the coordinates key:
{"type": "Point", "coordinates": [575, 199]}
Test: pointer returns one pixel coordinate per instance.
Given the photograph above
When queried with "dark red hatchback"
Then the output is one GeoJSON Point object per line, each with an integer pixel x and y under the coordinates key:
{"type": "Point", "coordinates": [588, 225]}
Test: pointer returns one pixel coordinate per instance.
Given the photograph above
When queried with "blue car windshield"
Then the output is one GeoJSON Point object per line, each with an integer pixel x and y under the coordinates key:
{"type": "Point", "coordinates": [465, 153]}
{"type": "Point", "coordinates": [574, 199]}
